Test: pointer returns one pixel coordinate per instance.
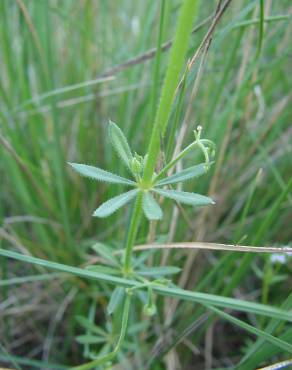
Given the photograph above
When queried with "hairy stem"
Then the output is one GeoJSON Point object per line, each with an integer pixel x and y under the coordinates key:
{"type": "Point", "coordinates": [132, 233]}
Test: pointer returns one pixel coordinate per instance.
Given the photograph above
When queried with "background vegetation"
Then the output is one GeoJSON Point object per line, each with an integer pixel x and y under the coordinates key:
{"type": "Point", "coordinates": [66, 68]}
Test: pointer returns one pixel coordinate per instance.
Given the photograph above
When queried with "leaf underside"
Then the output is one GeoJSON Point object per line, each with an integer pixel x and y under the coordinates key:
{"type": "Point", "coordinates": [120, 143]}
{"type": "Point", "coordinates": [185, 197]}
{"type": "Point", "coordinates": [115, 300]}
{"type": "Point", "coordinates": [184, 175]}
{"type": "Point", "coordinates": [115, 203]}
{"type": "Point", "coordinates": [151, 208]}
{"type": "Point", "coordinates": [99, 174]}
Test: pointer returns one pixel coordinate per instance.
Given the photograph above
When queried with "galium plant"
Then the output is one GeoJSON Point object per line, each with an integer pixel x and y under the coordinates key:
{"type": "Point", "coordinates": [146, 182]}
{"type": "Point", "coordinates": [131, 275]}
{"type": "Point", "coordinates": [144, 193]}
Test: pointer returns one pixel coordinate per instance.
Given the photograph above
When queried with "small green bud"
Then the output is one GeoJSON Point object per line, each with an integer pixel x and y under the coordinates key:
{"type": "Point", "coordinates": [137, 164]}
{"type": "Point", "coordinates": [149, 310]}
{"type": "Point", "coordinates": [197, 132]}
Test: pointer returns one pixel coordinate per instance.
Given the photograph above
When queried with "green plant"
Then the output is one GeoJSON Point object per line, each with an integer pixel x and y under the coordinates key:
{"type": "Point", "coordinates": [47, 110]}
{"type": "Point", "coordinates": [144, 199]}
{"type": "Point", "coordinates": [143, 191]}
{"type": "Point", "coordinates": [143, 168]}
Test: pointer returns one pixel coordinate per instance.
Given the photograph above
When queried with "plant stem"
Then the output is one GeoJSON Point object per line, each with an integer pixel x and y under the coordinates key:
{"type": "Point", "coordinates": [102, 359]}
{"type": "Point", "coordinates": [164, 171]}
{"type": "Point", "coordinates": [200, 143]}
{"type": "Point", "coordinates": [176, 61]}
{"type": "Point", "coordinates": [132, 233]}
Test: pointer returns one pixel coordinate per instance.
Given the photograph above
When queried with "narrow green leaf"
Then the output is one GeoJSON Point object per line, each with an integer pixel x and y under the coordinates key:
{"type": "Point", "coordinates": [120, 143]}
{"type": "Point", "coordinates": [159, 271]}
{"type": "Point", "coordinates": [90, 339]}
{"type": "Point", "coordinates": [106, 253]}
{"type": "Point", "coordinates": [104, 269]}
{"type": "Point", "coordinates": [31, 363]}
{"type": "Point", "coordinates": [184, 175]}
{"type": "Point", "coordinates": [185, 197]}
{"type": "Point", "coordinates": [151, 207]}
{"type": "Point", "coordinates": [114, 204]}
{"type": "Point", "coordinates": [29, 279]}
{"type": "Point", "coordinates": [202, 298]}
{"type": "Point", "coordinates": [116, 298]}
{"type": "Point", "coordinates": [99, 174]}
{"type": "Point", "coordinates": [260, 333]}
{"type": "Point", "coordinates": [87, 324]}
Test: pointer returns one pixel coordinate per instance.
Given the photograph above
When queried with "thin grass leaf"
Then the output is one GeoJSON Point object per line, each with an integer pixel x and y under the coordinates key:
{"type": "Point", "coordinates": [120, 143]}
{"type": "Point", "coordinates": [29, 279]}
{"type": "Point", "coordinates": [151, 208]}
{"type": "Point", "coordinates": [202, 298]}
{"type": "Point", "coordinates": [106, 253]}
{"type": "Point", "coordinates": [185, 197]}
{"type": "Point", "coordinates": [32, 363]}
{"type": "Point", "coordinates": [260, 333]}
{"type": "Point", "coordinates": [112, 205]}
{"type": "Point", "coordinates": [261, 346]}
{"type": "Point", "coordinates": [184, 175]}
{"type": "Point", "coordinates": [104, 269]}
{"type": "Point", "coordinates": [261, 27]}
{"type": "Point", "coordinates": [116, 298]}
{"type": "Point", "coordinates": [159, 271]}
{"type": "Point", "coordinates": [99, 174]}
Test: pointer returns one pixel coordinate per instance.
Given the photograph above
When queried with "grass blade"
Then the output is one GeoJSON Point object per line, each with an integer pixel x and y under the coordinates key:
{"type": "Point", "coordinates": [260, 333]}
{"type": "Point", "coordinates": [203, 298]}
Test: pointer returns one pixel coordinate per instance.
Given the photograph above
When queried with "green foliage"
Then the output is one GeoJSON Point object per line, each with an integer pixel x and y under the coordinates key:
{"type": "Point", "coordinates": [151, 208]}
{"type": "Point", "coordinates": [159, 271]}
{"type": "Point", "coordinates": [184, 175]}
{"type": "Point", "coordinates": [185, 197]}
{"type": "Point", "coordinates": [112, 205]}
{"type": "Point", "coordinates": [106, 253]}
{"type": "Point", "coordinates": [52, 112]}
{"type": "Point", "coordinates": [120, 143]}
{"type": "Point", "coordinates": [99, 174]}
{"type": "Point", "coordinates": [116, 299]}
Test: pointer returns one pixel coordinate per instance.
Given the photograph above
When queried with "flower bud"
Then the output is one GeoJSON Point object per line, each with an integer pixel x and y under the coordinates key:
{"type": "Point", "coordinates": [136, 166]}
{"type": "Point", "coordinates": [149, 310]}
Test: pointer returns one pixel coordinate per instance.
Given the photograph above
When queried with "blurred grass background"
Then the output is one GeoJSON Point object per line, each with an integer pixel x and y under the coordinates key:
{"type": "Point", "coordinates": [55, 105]}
